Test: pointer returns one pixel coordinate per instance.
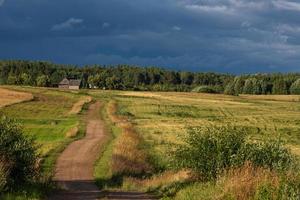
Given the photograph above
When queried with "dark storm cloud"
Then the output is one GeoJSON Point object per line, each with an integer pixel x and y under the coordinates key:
{"type": "Point", "coordinates": [212, 35]}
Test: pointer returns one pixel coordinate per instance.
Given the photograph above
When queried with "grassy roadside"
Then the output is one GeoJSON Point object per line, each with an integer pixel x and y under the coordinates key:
{"type": "Point", "coordinates": [45, 119]}
{"type": "Point", "coordinates": [103, 172]}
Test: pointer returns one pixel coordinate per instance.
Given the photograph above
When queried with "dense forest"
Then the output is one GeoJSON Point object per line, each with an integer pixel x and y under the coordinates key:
{"type": "Point", "coordinates": [125, 77]}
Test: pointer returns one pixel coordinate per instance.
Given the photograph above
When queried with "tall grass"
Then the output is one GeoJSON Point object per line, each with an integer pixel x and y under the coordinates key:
{"type": "Point", "coordinates": [247, 182]}
{"type": "Point", "coordinates": [123, 155]}
{"type": "Point", "coordinates": [128, 156]}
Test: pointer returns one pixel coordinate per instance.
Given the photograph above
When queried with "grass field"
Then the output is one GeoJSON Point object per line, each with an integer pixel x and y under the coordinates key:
{"type": "Point", "coordinates": [46, 117]}
{"type": "Point", "coordinates": [163, 118]}
{"type": "Point", "coordinates": [145, 126]}
{"type": "Point", "coordinates": [49, 118]}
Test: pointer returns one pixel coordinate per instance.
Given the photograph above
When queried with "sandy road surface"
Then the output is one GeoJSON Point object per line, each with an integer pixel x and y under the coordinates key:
{"type": "Point", "coordinates": [75, 166]}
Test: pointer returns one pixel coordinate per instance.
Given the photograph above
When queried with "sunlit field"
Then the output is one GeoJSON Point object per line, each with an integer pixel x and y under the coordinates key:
{"type": "Point", "coordinates": [163, 118]}
{"type": "Point", "coordinates": [47, 117]}
{"type": "Point", "coordinates": [143, 128]}
{"type": "Point", "coordinates": [8, 97]}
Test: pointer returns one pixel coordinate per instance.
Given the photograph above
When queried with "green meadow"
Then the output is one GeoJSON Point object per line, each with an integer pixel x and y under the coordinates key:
{"type": "Point", "coordinates": [146, 126]}
{"type": "Point", "coordinates": [163, 119]}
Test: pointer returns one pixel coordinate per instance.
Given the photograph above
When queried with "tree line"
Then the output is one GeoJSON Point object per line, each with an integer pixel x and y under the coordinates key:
{"type": "Point", "coordinates": [126, 77]}
{"type": "Point", "coordinates": [276, 83]}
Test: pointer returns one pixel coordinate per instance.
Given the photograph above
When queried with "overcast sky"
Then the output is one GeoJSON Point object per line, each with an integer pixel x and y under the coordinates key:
{"type": "Point", "coordinates": [236, 36]}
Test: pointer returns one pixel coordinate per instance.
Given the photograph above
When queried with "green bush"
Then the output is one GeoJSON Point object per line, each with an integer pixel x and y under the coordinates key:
{"type": "Point", "coordinates": [210, 151]}
{"type": "Point", "coordinates": [270, 154]}
{"type": "Point", "coordinates": [18, 154]}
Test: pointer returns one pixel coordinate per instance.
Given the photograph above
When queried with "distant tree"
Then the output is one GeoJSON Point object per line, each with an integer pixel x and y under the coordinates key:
{"type": "Point", "coordinates": [101, 79]}
{"type": "Point", "coordinates": [265, 87]}
{"type": "Point", "coordinates": [248, 87]}
{"type": "Point", "coordinates": [57, 76]}
{"type": "Point", "coordinates": [139, 78]}
{"type": "Point", "coordinates": [229, 89]}
{"type": "Point", "coordinates": [256, 86]}
{"type": "Point", "coordinates": [238, 84]}
{"type": "Point", "coordinates": [12, 80]}
{"type": "Point", "coordinates": [187, 78]}
{"type": "Point", "coordinates": [280, 87]}
{"type": "Point", "coordinates": [25, 79]}
{"type": "Point", "coordinates": [295, 88]}
{"type": "Point", "coordinates": [113, 83]}
{"type": "Point", "coordinates": [91, 81]}
{"type": "Point", "coordinates": [42, 81]}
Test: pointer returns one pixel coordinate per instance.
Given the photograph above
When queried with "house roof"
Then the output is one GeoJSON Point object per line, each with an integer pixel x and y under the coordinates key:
{"type": "Point", "coordinates": [65, 81]}
{"type": "Point", "coordinates": [74, 82]}
{"type": "Point", "coordinates": [71, 82]}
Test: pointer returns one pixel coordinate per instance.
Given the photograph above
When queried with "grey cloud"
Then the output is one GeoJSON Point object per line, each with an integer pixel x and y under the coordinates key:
{"type": "Point", "coordinates": [70, 23]}
{"type": "Point", "coordinates": [212, 35]}
{"type": "Point", "coordinates": [287, 5]}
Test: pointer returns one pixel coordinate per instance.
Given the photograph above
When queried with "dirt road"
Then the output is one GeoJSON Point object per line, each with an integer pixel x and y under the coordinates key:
{"type": "Point", "coordinates": [75, 166]}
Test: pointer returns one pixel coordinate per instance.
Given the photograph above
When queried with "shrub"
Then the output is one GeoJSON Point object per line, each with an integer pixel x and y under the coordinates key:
{"type": "Point", "coordinates": [270, 154]}
{"type": "Point", "coordinates": [210, 151]}
{"type": "Point", "coordinates": [19, 154]}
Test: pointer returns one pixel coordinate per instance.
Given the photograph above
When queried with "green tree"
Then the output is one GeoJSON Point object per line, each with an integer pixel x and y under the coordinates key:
{"type": "Point", "coordinates": [229, 90]}
{"type": "Point", "coordinates": [25, 79]}
{"type": "Point", "coordinates": [248, 87]}
{"type": "Point", "coordinates": [295, 88]}
{"type": "Point", "coordinates": [238, 84]}
{"type": "Point", "coordinates": [12, 80]}
{"type": "Point", "coordinates": [187, 78]}
{"type": "Point", "coordinates": [280, 87]}
{"type": "Point", "coordinates": [256, 86]}
{"type": "Point", "coordinates": [113, 83]}
{"type": "Point", "coordinates": [42, 81]}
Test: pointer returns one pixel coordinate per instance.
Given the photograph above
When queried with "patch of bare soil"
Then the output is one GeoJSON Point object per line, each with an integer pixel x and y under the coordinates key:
{"type": "Point", "coordinates": [77, 107]}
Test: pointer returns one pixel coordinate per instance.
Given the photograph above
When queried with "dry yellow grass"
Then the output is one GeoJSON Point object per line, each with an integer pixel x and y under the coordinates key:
{"type": "Point", "coordinates": [164, 179]}
{"type": "Point", "coordinates": [243, 182]}
{"type": "Point", "coordinates": [290, 98]}
{"type": "Point", "coordinates": [72, 132]}
{"type": "Point", "coordinates": [111, 111]}
{"type": "Point", "coordinates": [77, 107]}
{"type": "Point", "coordinates": [8, 97]}
{"type": "Point", "coordinates": [128, 157]}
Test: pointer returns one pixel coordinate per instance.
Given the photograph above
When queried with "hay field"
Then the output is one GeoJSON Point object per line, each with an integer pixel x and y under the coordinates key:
{"type": "Point", "coordinates": [8, 97]}
{"type": "Point", "coordinates": [162, 118]}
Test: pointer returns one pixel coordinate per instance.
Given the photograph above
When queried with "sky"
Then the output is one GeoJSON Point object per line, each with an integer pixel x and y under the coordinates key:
{"type": "Point", "coordinates": [234, 36]}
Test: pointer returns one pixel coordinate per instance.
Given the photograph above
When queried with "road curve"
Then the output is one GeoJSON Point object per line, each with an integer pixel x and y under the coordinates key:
{"type": "Point", "coordinates": [75, 166]}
